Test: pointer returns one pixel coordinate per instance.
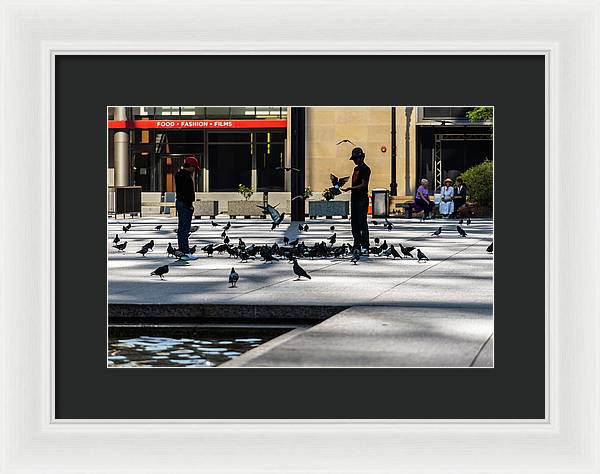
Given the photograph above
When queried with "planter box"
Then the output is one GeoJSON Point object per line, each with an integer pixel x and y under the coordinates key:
{"type": "Point", "coordinates": [244, 208]}
{"type": "Point", "coordinates": [328, 209]}
{"type": "Point", "coordinates": [206, 208]}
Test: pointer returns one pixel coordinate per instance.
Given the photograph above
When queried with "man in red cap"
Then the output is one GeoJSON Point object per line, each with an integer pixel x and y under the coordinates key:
{"type": "Point", "coordinates": [184, 187]}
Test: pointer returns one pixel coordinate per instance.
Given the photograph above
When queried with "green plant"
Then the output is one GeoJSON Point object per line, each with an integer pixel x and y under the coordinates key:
{"type": "Point", "coordinates": [327, 194]}
{"type": "Point", "coordinates": [480, 114]}
{"type": "Point", "coordinates": [245, 191]}
{"type": "Point", "coordinates": [307, 192]}
{"type": "Point", "coordinates": [480, 183]}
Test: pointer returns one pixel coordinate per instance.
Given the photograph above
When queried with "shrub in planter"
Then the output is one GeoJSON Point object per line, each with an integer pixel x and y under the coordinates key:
{"type": "Point", "coordinates": [245, 191]}
{"type": "Point", "coordinates": [480, 183]}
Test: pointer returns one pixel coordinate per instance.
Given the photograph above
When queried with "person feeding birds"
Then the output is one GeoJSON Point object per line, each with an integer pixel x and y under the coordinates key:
{"type": "Point", "coordinates": [359, 200]}
{"type": "Point", "coordinates": [184, 187]}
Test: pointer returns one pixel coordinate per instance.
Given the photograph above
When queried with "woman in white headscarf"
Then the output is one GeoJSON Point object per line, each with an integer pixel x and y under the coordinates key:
{"type": "Point", "coordinates": [447, 198]}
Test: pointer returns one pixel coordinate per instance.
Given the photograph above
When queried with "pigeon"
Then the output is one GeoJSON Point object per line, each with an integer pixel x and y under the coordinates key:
{"type": "Point", "coordinates": [158, 227]}
{"type": "Point", "coordinates": [294, 242]}
{"type": "Point", "coordinates": [490, 248]}
{"type": "Point", "coordinates": [305, 228]}
{"type": "Point", "coordinates": [276, 216]}
{"type": "Point", "coordinates": [160, 271]}
{"type": "Point", "coordinates": [355, 256]}
{"type": "Point", "coordinates": [226, 240]}
{"type": "Point", "coordinates": [241, 243]}
{"type": "Point", "coordinates": [332, 228]}
{"type": "Point", "coordinates": [170, 249]}
{"type": "Point", "coordinates": [375, 222]}
{"type": "Point", "coordinates": [244, 256]}
{"type": "Point", "coordinates": [298, 270]}
{"type": "Point", "coordinates": [421, 255]}
{"type": "Point", "coordinates": [125, 229]}
{"type": "Point", "coordinates": [233, 277]}
{"type": "Point", "coordinates": [461, 231]}
{"type": "Point", "coordinates": [394, 253]}
{"type": "Point", "coordinates": [221, 248]}
{"type": "Point", "coordinates": [121, 247]}
{"type": "Point", "coordinates": [345, 141]}
{"type": "Point", "coordinates": [223, 234]}
{"type": "Point", "coordinates": [460, 222]}
{"type": "Point", "coordinates": [376, 240]}
{"type": "Point", "coordinates": [389, 226]}
{"type": "Point", "coordinates": [116, 239]}
{"type": "Point", "coordinates": [407, 251]}
{"type": "Point", "coordinates": [468, 221]}
{"type": "Point", "coordinates": [286, 240]}
{"type": "Point", "coordinates": [438, 231]}
{"type": "Point", "coordinates": [192, 250]}
{"type": "Point", "coordinates": [143, 251]}
{"type": "Point", "coordinates": [333, 238]}
{"type": "Point", "coordinates": [193, 229]}
{"type": "Point", "coordinates": [227, 226]}
{"type": "Point", "coordinates": [208, 249]}
{"type": "Point", "coordinates": [300, 227]}
{"type": "Point", "coordinates": [384, 245]}
{"type": "Point", "coordinates": [269, 258]}
{"type": "Point", "coordinates": [286, 168]}
{"type": "Point", "coordinates": [150, 245]}
{"type": "Point", "coordinates": [337, 184]}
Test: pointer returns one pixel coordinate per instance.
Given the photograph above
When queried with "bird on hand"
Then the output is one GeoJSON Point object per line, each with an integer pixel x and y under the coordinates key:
{"type": "Point", "coordinates": [299, 271]}
{"type": "Point", "coordinates": [438, 231]}
{"type": "Point", "coordinates": [337, 183]}
{"type": "Point", "coordinates": [160, 271]}
{"type": "Point", "coordinates": [233, 277]}
{"type": "Point", "coordinates": [461, 231]}
{"type": "Point", "coordinates": [421, 255]}
{"type": "Point", "coordinates": [121, 247]}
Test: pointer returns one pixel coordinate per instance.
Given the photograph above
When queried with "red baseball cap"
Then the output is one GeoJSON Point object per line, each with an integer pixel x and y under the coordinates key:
{"type": "Point", "coordinates": [191, 160]}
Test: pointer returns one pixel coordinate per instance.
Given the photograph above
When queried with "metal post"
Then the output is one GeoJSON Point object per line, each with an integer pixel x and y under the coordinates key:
{"type": "Point", "coordinates": [121, 151]}
{"type": "Point", "coordinates": [298, 144]}
{"type": "Point", "coordinates": [393, 184]}
{"type": "Point", "coordinates": [407, 178]}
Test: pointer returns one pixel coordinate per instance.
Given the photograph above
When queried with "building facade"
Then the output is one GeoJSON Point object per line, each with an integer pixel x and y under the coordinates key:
{"type": "Point", "coordinates": [251, 146]}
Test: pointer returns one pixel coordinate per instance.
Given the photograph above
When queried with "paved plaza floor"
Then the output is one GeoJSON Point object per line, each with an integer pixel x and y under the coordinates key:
{"type": "Point", "coordinates": [446, 302]}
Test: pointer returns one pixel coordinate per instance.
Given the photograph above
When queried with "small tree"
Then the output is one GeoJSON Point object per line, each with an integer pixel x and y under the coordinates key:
{"type": "Point", "coordinates": [307, 192]}
{"type": "Point", "coordinates": [327, 194]}
{"type": "Point", "coordinates": [480, 114]}
{"type": "Point", "coordinates": [245, 191]}
{"type": "Point", "coordinates": [480, 183]}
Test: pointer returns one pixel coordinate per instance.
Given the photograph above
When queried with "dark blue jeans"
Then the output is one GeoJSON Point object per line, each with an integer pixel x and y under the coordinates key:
{"type": "Point", "coordinates": [184, 216]}
{"type": "Point", "coordinates": [360, 228]}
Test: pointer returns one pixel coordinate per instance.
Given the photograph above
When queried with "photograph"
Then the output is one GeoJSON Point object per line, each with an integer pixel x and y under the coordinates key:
{"type": "Point", "coordinates": [300, 236]}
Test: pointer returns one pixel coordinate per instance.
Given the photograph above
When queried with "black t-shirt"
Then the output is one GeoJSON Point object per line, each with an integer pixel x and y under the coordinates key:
{"type": "Point", "coordinates": [361, 172]}
{"type": "Point", "coordinates": [184, 187]}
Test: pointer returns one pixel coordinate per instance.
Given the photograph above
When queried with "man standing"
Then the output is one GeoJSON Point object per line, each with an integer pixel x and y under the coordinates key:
{"type": "Point", "coordinates": [184, 187]}
{"type": "Point", "coordinates": [359, 201]}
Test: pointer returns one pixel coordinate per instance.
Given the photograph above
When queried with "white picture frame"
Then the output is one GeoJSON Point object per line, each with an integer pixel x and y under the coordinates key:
{"type": "Point", "coordinates": [566, 33]}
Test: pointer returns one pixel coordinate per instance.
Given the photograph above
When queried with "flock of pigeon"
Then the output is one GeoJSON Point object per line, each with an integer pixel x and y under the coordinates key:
{"type": "Point", "coordinates": [289, 250]}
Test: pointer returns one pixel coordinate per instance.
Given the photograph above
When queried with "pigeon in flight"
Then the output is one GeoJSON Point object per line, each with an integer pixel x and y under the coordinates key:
{"type": "Point", "coordinates": [490, 248]}
{"type": "Point", "coordinates": [299, 271]}
{"type": "Point", "coordinates": [214, 224]}
{"type": "Point", "coordinates": [121, 247]}
{"type": "Point", "coordinates": [276, 216]}
{"type": "Point", "coordinates": [461, 231]}
{"type": "Point", "coordinates": [468, 221]}
{"type": "Point", "coordinates": [337, 183]}
{"type": "Point", "coordinates": [286, 168]}
{"type": "Point", "coordinates": [421, 255]}
{"type": "Point", "coordinates": [143, 251]}
{"type": "Point", "coordinates": [116, 239]}
{"type": "Point", "coordinates": [233, 277]}
{"type": "Point", "coordinates": [438, 231]}
{"type": "Point", "coordinates": [407, 251]}
{"type": "Point", "coordinates": [345, 141]}
{"type": "Point", "coordinates": [158, 227]}
{"type": "Point", "coordinates": [160, 271]}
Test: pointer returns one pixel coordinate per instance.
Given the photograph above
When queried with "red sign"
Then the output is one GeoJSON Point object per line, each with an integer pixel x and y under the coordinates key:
{"type": "Point", "coordinates": [182, 123]}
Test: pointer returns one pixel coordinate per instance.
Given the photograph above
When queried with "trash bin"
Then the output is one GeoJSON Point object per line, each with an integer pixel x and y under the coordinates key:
{"type": "Point", "coordinates": [380, 202]}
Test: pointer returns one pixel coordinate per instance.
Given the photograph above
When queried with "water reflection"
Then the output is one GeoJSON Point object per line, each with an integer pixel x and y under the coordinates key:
{"type": "Point", "coordinates": [165, 347]}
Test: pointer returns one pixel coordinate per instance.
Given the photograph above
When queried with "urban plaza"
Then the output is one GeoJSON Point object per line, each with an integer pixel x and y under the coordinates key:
{"type": "Point", "coordinates": [285, 236]}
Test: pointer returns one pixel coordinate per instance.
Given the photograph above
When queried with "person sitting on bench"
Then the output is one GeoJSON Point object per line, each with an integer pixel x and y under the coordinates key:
{"type": "Point", "coordinates": [422, 202]}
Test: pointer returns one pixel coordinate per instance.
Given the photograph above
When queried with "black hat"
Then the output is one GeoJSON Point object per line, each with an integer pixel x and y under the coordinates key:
{"type": "Point", "coordinates": [357, 153]}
